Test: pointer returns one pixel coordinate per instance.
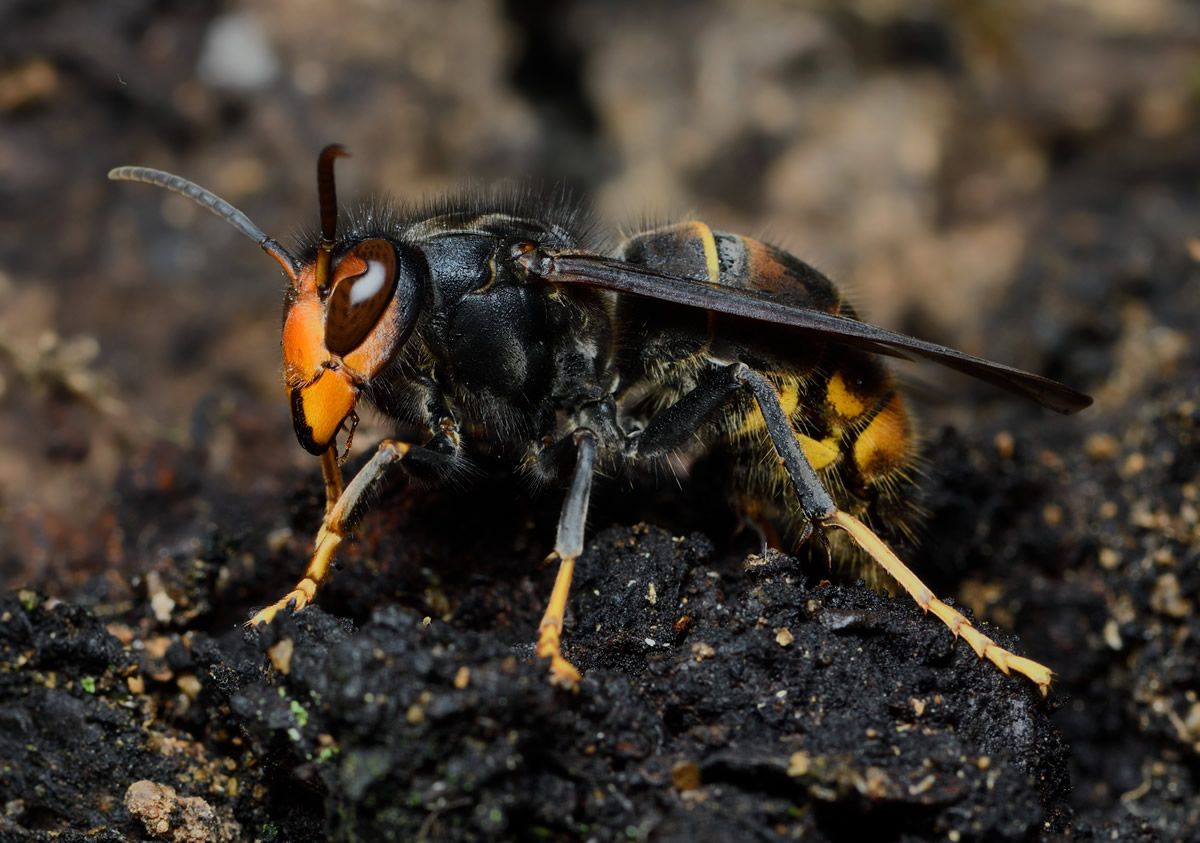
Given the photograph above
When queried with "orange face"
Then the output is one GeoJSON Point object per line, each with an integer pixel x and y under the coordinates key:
{"type": "Point", "coordinates": [337, 338]}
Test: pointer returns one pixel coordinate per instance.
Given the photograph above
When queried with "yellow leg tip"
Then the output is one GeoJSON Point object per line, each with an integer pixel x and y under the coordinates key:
{"type": "Point", "coordinates": [261, 617]}
{"type": "Point", "coordinates": [984, 647]}
{"type": "Point", "coordinates": [1037, 673]}
{"type": "Point", "coordinates": [563, 674]}
{"type": "Point", "coordinates": [296, 599]}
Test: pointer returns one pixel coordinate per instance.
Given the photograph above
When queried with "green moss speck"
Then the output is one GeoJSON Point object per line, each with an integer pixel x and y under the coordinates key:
{"type": "Point", "coordinates": [300, 713]}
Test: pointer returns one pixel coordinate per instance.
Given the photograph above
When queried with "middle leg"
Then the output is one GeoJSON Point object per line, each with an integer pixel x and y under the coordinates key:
{"type": "Point", "coordinates": [568, 546]}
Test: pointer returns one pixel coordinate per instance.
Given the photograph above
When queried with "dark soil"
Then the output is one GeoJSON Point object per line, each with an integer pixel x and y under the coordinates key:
{"type": "Point", "coordinates": [1021, 182]}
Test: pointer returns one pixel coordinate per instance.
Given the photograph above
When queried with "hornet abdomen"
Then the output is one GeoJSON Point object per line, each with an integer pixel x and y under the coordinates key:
{"type": "Point", "coordinates": [845, 410]}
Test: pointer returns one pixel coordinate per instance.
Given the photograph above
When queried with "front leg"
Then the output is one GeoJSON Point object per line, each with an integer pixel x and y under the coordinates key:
{"type": "Point", "coordinates": [341, 515]}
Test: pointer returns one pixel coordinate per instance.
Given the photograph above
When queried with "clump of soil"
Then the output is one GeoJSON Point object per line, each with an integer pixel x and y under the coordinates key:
{"type": "Point", "coordinates": [723, 695]}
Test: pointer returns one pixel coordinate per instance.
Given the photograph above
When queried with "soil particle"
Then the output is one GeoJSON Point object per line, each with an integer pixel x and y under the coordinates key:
{"type": "Point", "coordinates": [167, 816]}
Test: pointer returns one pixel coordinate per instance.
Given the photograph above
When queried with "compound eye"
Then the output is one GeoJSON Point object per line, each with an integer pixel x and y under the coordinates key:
{"type": "Point", "coordinates": [364, 282]}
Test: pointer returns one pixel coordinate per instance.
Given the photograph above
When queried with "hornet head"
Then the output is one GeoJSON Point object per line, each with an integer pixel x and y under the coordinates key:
{"type": "Point", "coordinates": [348, 311]}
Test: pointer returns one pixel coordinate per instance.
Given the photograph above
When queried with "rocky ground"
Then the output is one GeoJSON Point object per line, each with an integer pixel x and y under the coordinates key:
{"type": "Point", "coordinates": [1020, 182]}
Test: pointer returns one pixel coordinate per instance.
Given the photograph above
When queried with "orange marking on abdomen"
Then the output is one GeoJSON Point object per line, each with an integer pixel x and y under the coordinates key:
{"type": "Point", "coordinates": [764, 271]}
{"type": "Point", "coordinates": [789, 399]}
{"type": "Point", "coordinates": [844, 402]}
{"type": "Point", "coordinates": [886, 443]}
{"type": "Point", "coordinates": [819, 452]}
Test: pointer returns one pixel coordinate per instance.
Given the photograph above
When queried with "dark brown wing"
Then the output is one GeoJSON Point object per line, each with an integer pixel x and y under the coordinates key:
{"type": "Point", "coordinates": [608, 274]}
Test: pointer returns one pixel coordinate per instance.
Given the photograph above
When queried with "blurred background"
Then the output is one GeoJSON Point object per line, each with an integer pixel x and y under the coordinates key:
{"type": "Point", "coordinates": [1018, 179]}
